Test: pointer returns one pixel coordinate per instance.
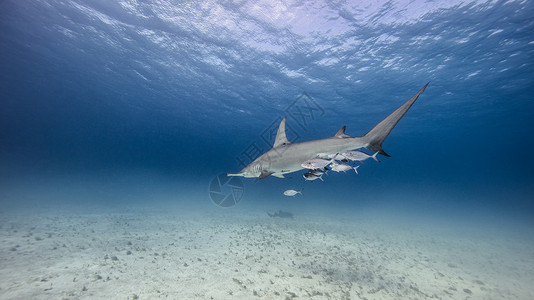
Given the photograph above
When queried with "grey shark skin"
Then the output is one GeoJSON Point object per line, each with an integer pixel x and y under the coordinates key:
{"type": "Point", "coordinates": [286, 157]}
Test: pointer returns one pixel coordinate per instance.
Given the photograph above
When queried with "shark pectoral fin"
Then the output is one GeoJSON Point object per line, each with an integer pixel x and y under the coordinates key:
{"type": "Point", "coordinates": [279, 175]}
{"type": "Point", "coordinates": [265, 174]}
{"type": "Point", "coordinates": [378, 149]}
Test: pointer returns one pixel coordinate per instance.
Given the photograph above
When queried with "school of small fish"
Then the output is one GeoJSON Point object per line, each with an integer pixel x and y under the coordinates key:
{"type": "Point", "coordinates": [337, 162]}
{"type": "Point", "coordinates": [317, 167]}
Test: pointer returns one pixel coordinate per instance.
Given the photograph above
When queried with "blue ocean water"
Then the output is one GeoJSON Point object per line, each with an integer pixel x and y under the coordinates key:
{"type": "Point", "coordinates": [120, 102]}
{"type": "Point", "coordinates": [116, 117]}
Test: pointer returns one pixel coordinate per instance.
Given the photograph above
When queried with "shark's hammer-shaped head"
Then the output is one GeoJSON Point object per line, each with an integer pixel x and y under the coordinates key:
{"type": "Point", "coordinates": [255, 169]}
{"type": "Point", "coordinates": [251, 170]}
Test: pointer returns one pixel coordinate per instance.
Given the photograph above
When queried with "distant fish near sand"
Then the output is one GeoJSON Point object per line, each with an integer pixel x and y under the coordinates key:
{"type": "Point", "coordinates": [292, 193]}
{"type": "Point", "coordinates": [281, 214]}
{"type": "Point", "coordinates": [359, 155]}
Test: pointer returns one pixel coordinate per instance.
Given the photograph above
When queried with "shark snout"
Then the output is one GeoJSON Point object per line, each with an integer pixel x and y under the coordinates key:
{"type": "Point", "coordinates": [235, 174]}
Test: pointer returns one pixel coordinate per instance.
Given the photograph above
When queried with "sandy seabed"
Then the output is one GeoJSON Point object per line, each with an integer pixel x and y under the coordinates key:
{"type": "Point", "coordinates": [247, 255]}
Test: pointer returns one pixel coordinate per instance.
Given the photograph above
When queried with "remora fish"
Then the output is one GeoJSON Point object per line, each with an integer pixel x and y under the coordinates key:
{"type": "Point", "coordinates": [292, 193]}
{"type": "Point", "coordinates": [359, 155]}
{"type": "Point", "coordinates": [286, 157]}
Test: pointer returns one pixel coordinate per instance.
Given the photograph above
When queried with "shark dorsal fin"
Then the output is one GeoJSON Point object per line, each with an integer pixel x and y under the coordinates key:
{"type": "Point", "coordinates": [341, 133]}
{"type": "Point", "coordinates": [281, 138]}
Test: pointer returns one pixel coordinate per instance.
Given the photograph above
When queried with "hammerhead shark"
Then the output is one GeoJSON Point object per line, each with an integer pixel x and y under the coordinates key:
{"type": "Point", "coordinates": [286, 157]}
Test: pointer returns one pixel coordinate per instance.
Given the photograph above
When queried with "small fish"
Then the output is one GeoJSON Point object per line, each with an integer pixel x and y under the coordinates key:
{"type": "Point", "coordinates": [336, 156]}
{"type": "Point", "coordinates": [340, 167]}
{"type": "Point", "coordinates": [311, 176]}
{"type": "Point", "coordinates": [318, 172]}
{"type": "Point", "coordinates": [316, 163]}
{"type": "Point", "coordinates": [292, 193]}
{"type": "Point", "coordinates": [359, 155]}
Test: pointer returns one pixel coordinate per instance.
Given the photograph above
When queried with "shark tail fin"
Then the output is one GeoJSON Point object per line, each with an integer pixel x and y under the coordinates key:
{"type": "Point", "coordinates": [376, 136]}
